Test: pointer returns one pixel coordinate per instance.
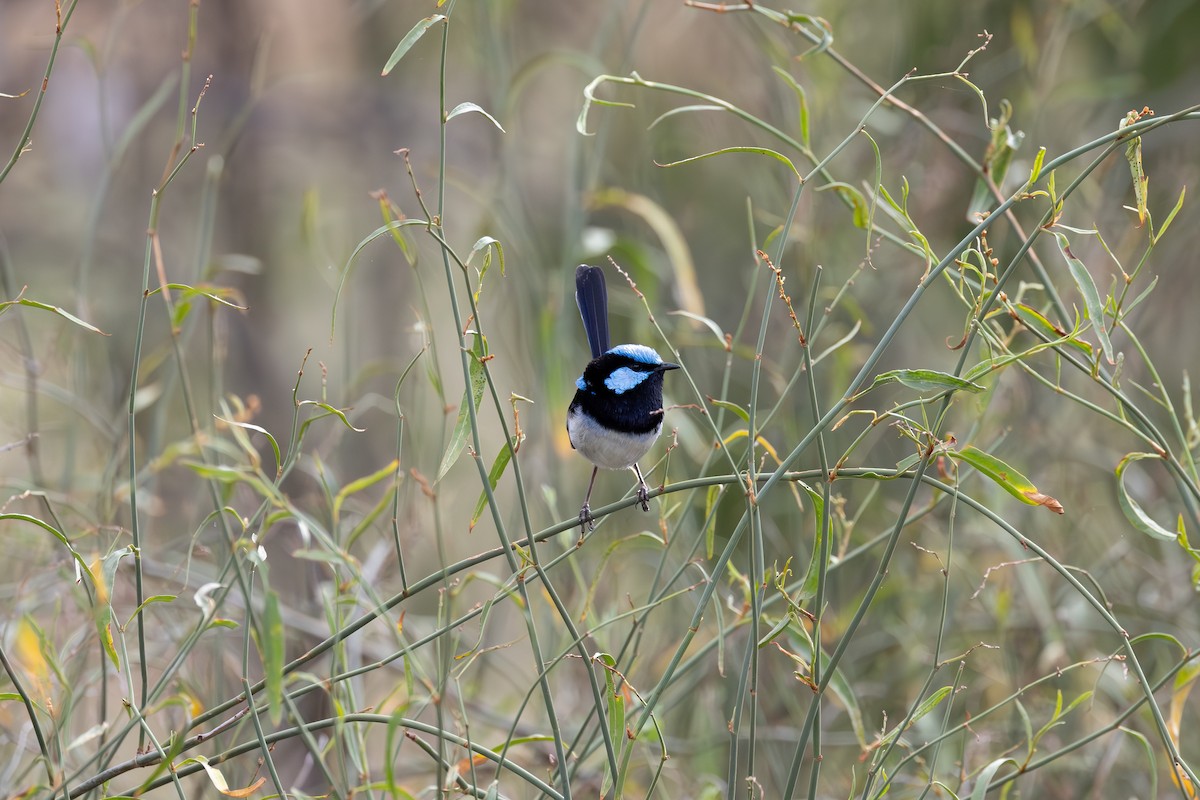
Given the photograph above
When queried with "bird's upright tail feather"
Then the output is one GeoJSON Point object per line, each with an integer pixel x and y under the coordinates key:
{"type": "Point", "coordinates": [592, 298]}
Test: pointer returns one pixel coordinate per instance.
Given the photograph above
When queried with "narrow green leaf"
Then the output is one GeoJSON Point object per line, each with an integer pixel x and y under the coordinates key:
{"type": "Point", "coordinates": [273, 654]}
{"type": "Point", "coordinates": [590, 99]}
{"type": "Point", "coordinates": [843, 690]}
{"type": "Point", "coordinates": [927, 705]}
{"type": "Point", "coordinates": [1034, 320]}
{"type": "Point", "coordinates": [1133, 510]}
{"type": "Point", "coordinates": [996, 161]}
{"type": "Point", "coordinates": [821, 24]}
{"type": "Point", "coordinates": [1185, 677]}
{"type": "Point", "coordinates": [705, 321]}
{"type": "Point", "coordinates": [218, 294]}
{"type": "Point", "coordinates": [855, 197]}
{"type": "Point", "coordinates": [1052, 723]}
{"type": "Point", "coordinates": [180, 313]}
{"type": "Point", "coordinates": [1160, 636]}
{"type": "Point", "coordinates": [516, 740]}
{"type": "Point", "coordinates": [1036, 171]}
{"type": "Point", "coordinates": [365, 482]}
{"type": "Point", "coordinates": [734, 407]}
{"type": "Point", "coordinates": [375, 234]}
{"type": "Point", "coordinates": [1186, 546]}
{"type": "Point", "coordinates": [1082, 698]}
{"type": "Point", "coordinates": [710, 530]}
{"type": "Point", "coordinates": [802, 100]}
{"type": "Point", "coordinates": [1171, 217]}
{"type": "Point", "coordinates": [684, 110]}
{"type": "Point", "coordinates": [1009, 479]}
{"type": "Point", "coordinates": [257, 429]}
{"type": "Point", "coordinates": [184, 303]}
{"type": "Point", "coordinates": [984, 780]}
{"type": "Point", "coordinates": [615, 716]}
{"type": "Point", "coordinates": [1142, 295]}
{"type": "Point", "coordinates": [388, 213]}
{"type": "Point", "coordinates": [217, 472]}
{"type": "Point", "coordinates": [790, 19]}
{"type": "Point", "coordinates": [1091, 297]}
{"type": "Point", "coordinates": [24, 301]}
{"type": "Point", "coordinates": [331, 411]}
{"type": "Point", "coordinates": [808, 588]}
{"type": "Point", "coordinates": [764, 151]}
{"type": "Point", "coordinates": [485, 245]}
{"type": "Point", "coordinates": [499, 464]}
{"type": "Point", "coordinates": [900, 213]}
{"type": "Point", "coordinates": [338, 558]}
{"type": "Point", "coordinates": [110, 565]}
{"type": "Point", "coordinates": [467, 108]}
{"type": "Point", "coordinates": [776, 631]}
{"type": "Point", "coordinates": [924, 380]}
{"type": "Point", "coordinates": [410, 39]}
{"type": "Point", "coordinates": [472, 394]}
{"type": "Point", "coordinates": [1148, 749]}
{"type": "Point", "coordinates": [366, 520]}
{"type": "Point", "coordinates": [158, 598]}
{"type": "Point", "coordinates": [932, 702]}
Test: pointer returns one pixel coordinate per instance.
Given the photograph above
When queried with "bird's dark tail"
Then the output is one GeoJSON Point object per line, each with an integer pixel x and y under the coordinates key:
{"type": "Point", "coordinates": [592, 298]}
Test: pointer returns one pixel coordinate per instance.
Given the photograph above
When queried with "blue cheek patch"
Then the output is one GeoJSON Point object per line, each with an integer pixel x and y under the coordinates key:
{"type": "Point", "coordinates": [624, 379]}
{"type": "Point", "coordinates": [581, 384]}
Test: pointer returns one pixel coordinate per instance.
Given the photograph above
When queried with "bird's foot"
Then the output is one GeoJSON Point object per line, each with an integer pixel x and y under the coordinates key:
{"type": "Point", "coordinates": [586, 521]}
{"type": "Point", "coordinates": [643, 495]}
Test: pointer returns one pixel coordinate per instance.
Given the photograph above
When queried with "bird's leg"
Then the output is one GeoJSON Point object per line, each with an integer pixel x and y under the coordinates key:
{"type": "Point", "coordinates": [643, 492]}
{"type": "Point", "coordinates": [586, 522]}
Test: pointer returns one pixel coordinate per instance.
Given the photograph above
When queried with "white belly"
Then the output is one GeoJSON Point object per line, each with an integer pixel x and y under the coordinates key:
{"type": "Point", "coordinates": [608, 449]}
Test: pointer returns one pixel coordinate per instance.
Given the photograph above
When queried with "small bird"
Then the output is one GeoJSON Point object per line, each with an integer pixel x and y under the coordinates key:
{"type": "Point", "coordinates": [617, 414]}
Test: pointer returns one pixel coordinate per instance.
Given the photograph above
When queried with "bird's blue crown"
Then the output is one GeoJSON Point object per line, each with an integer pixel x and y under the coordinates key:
{"type": "Point", "coordinates": [637, 352]}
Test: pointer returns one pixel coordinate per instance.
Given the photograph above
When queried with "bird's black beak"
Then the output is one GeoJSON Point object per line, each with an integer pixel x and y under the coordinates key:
{"type": "Point", "coordinates": [663, 367]}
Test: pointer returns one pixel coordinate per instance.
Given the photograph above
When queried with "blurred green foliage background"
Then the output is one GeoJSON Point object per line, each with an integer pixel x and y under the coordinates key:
{"type": "Point", "coordinates": [300, 136]}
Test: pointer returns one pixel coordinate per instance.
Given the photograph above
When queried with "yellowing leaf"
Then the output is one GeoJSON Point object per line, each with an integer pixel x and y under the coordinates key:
{"type": "Point", "coordinates": [673, 241]}
{"type": "Point", "coordinates": [99, 582]}
{"type": "Point", "coordinates": [763, 443]}
{"type": "Point", "coordinates": [1185, 680]}
{"type": "Point", "coordinates": [29, 649]}
{"type": "Point", "coordinates": [218, 780]}
{"type": "Point", "coordinates": [104, 629]}
{"type": "Point", "coordinates": [1133, 154]}
{"type": "Point", "coordinates": [249, 790]}
{"type": "Point", "coordinates": [1009, 479]}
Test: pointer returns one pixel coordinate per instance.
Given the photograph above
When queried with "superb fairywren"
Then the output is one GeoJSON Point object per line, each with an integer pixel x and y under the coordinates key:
{"type": "Point", "coordinates": [618, 411]}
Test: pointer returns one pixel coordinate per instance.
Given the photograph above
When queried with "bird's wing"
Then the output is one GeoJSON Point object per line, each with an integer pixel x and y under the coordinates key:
{"type": "Point", "coordinates": [592, 297]}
